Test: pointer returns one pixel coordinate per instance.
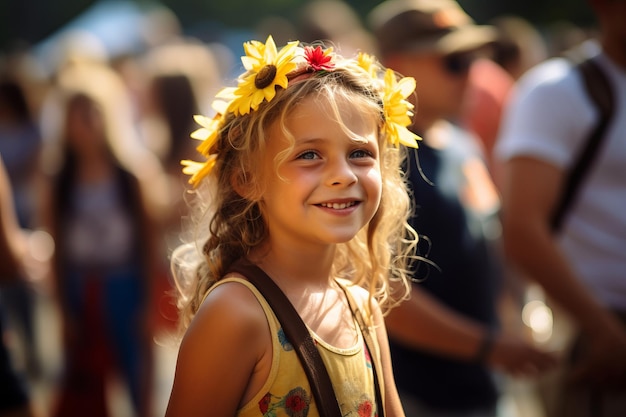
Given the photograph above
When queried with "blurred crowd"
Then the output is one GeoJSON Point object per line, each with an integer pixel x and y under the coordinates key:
{"type": "Point", "coordinates": [92, 145]}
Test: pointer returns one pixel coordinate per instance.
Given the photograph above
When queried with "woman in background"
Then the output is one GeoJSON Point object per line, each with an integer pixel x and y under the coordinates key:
{"type": "Point", "coordinates": [98, 215]}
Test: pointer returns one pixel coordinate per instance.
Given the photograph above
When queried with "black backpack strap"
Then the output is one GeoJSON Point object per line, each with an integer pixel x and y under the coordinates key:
{"type": "Point", "coordinates": [600, 91]}
{"type": "Point", "coordinates": [298, 334]}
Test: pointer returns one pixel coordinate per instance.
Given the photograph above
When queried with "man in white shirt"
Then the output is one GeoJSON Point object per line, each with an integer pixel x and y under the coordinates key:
{"type": "Point", "coordinates": [583, 266]}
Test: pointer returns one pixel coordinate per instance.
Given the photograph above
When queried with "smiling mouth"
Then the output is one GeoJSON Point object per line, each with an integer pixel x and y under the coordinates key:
{"type": "Point", "coordinates": [338, 206]}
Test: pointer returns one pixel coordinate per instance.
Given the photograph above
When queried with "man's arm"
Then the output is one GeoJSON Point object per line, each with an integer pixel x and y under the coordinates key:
{"type": "Point", "coordinates": [529, 195]}
{"type": "Point", "coordinates": [424, 323]}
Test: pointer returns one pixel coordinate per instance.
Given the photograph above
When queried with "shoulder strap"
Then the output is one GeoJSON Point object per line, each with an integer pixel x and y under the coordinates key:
{"type": "Point", "coordinates": [298, 335]}
{"type": "Point", "coordinates": [374, 354]}
{"type": "Point", "coordinates": [600, 91]}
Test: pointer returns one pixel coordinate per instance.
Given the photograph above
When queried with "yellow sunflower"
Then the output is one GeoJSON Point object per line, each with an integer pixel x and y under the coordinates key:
{"type": "Point", "coordinates": [266, 69]}
{"type": "Point", "coordinates": [398, 110]}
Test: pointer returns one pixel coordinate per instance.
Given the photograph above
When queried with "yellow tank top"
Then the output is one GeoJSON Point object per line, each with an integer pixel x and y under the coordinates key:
{"type": "Point", "coordinates": [287, 392]}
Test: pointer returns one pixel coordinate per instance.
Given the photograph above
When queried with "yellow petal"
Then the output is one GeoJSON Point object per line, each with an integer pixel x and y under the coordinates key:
{"type": "Point", "coordinates": [366, 62]}
{"type": "Point", "coordinates": [406, 86]}
{"type": "Point", "coordinates": [202, 120]}
{"type": "Point", "coordinates": [255, 52]}
{"type": "Point", "coordinates": [227, 93]}
{"type": "Point", "coordinates": [205, 147]}
{"type": "Point", "coordinates": [287, 53]}
{"type": "Point", "coordinates": [258, 96]}
{"type": "Point", "coordinates": [191, 167]}
{"type": "Point", "coordinates": [408, 138]}
{"type": "Point", "coordinates": [270, 52]}
{"type": "Point", "coordinates": [200, 134]}
{"type": "Point", "coordinates": [220, 106]}
{"type": "Point", "coordinates": [198, 170]}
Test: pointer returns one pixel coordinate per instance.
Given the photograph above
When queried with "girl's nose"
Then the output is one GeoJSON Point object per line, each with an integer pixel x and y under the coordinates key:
{"type": "Point", "coordinates": [340, 173]}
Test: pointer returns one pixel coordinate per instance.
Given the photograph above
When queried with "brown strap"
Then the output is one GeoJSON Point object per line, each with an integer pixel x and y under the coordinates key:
{"type": "Point", "coordinates": [298, 334]}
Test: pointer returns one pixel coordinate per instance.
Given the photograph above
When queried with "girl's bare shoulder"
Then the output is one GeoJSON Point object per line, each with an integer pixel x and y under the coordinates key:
{"type": "Point", "coordinates": [229, 335]}
{"type": "Point", "coordinates": [233, 305]}
{"type": "Point", "coordinates": [229, 329]}
{"type": "Point", "coordinates": [229, 320]}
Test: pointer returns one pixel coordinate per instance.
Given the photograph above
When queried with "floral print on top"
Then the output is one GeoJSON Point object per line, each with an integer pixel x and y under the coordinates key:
{"type": "Point", "coordinates": [287, 392]}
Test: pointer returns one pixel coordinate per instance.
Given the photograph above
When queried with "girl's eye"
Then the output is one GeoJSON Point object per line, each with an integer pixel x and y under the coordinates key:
{"type": "Point", "coordinates": [360, 153]}
{"type": "Point", "coordinates": [308, 155]}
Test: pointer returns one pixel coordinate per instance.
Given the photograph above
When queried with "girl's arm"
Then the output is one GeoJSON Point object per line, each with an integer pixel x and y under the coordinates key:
{"type": "Point", "coordinates": [225, 355]}
{"type": "Point", "coordinates": [393, 407]}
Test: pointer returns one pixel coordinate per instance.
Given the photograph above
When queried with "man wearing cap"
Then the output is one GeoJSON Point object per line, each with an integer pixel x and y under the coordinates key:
{"type": "Point", "coordinates": [446, 337]}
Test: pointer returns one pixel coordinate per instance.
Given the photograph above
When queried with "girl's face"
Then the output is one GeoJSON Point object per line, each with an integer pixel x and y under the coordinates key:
{"type": "Point", "coordinates": [329, 186]}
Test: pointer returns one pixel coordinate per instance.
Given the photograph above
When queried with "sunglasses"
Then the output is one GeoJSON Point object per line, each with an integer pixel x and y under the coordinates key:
{"type": "Point", "coordinates": [458, 64]}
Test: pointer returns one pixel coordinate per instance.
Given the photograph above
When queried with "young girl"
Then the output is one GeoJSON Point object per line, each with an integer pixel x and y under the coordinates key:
{"type": "Point", "coordinates": [302, 179]}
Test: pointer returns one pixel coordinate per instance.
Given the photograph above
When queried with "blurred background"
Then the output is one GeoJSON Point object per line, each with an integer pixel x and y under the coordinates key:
{"type": "Point", "coordinates": [160, 63]}
{"type": "Point", "coordinates": [32, 23]}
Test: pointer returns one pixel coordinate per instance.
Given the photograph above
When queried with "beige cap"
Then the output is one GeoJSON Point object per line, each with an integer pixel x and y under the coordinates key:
{"type": "Point", "coordinates": [426, 25]}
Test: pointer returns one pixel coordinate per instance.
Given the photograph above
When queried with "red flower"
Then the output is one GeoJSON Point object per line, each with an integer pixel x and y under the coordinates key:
{"type": "Point", "coordinates": [365, 409]}
{"type": "Point", "coordinates": [318, 58]}
{"type": "Point", "coordinates": [264, 403]}
{"type": "Point", "coordinates": [297, 403]}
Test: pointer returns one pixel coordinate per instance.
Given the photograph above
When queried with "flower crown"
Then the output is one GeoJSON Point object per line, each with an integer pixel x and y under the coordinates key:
{"type": "Point", "coordinates": [268, 68]}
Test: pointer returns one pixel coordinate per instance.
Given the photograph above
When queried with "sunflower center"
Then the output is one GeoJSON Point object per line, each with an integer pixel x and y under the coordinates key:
{"type": "Point", "coordinates": [265, 76]}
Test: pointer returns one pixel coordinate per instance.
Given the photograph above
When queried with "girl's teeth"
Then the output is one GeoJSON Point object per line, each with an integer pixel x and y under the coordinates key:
{"type": "Point", "coordinates": [337, 206]}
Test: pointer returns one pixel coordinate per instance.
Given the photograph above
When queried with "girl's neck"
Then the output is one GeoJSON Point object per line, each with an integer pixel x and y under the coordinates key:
{"type": "Point", "coordinates": [294, 268]}
{"type": "Point", "coordinates": [305, 279]}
